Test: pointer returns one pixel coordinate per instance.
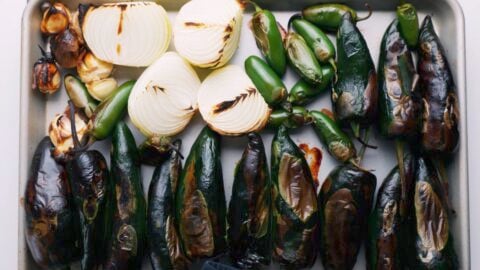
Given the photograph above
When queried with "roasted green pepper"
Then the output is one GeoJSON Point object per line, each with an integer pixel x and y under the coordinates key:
{"type": "Point", "coordinates": [355, 94]}
{"type": "Point", "coordinates": [433, 242]}
{"type": "Point", "coordinates": [295, 244]}
{"type": "Point", "coordinates": [303, 60]}
{"type": "Point", "coordinates": [397, 80]}
{"type": "Point", "coordinates": [440, 103]}
{"type": "Point", "coordinates": [303, 93]}
{"type": "Point", "coordinates": [408, 23]}
{"type": "Point", "coordinates": [328, 16]}
{"type": "Point", "coordinates": [345, 201]}
{"type": "Point", "coordinates": [297, 118]}
{"type": "Point", "coordinates": [50, 217]}
{"type": "Point", "coordinates": [165, 247]}
{"type": "Point", "coordinates": [387, 244]}
{"type": "Point", "coordinates": [200, 200]}
{"type": "Point", "coordinates": [269, 39]}
{"type": "Point", "coordinates": [266, 81]}
{"type": "Point", "coordinates": [110, 112]}
{"type": "Point", "coordinates": [127, 241]}
{"type": "Point", "coordinates": [78, 93]}
{"type": "Point", "coordinates": [155, 150]}
{"type": "Point", "coordinates": [337, 142]}
{"type": "Point", "coordinates": [250, 214]}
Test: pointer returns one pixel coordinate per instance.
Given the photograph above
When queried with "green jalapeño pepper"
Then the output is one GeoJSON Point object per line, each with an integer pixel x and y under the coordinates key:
{"type": "Point", "coordinates": [110, 112]}
{"type": "Point", "coordinates": [297, 118]}
{"type": "Point", "coordinates": [127, 241]}
{"type": "Point", "coordinates": [50, 218]}
{"type": "Point", "coordinates": [433, 241]}
{"type": "Point", "coordinates": [354, 95]}
{"type": "Point", "coordinates": [303, 93]}
{"type": "Point", "coordinates": [164, 243]}
{"type": "Point", "coordinates": [78, 93]}
{"type": "Point", "coordinates": [440, 104]}
{"type": "Point", "coordinates": [200, 201]}
{"type": "Point", "coordinates": [337, 142]}
{"type": "Point", "coordinates": [345, 201]}
{"type": "Point", "coordinates": [398, 104]}
{"type": "Point", "coordinates": [328, 17]}
{"type": "Point", "coordinates": [388, 228]}
{"type": "Point", "coordinates": [408, 23]}
{"type": "Point", "coordinates": [303, 60]}
{"type": "Point", "coordinates": [295, 244]}
{"type": "Point", "coordinates": [269, 39]}
{"type": "Point", "coordinates": [250, 215]}
{"type": "Point", "coordinates": [266, 81]}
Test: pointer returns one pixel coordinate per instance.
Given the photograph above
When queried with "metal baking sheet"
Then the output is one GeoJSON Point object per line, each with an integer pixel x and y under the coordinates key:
{"type": "Point", "coordinates": [37, 110]}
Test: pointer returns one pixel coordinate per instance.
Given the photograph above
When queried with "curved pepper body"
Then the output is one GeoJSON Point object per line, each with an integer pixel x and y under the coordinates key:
{"type": "Point", "coordinates": [328, 16]}
{"type": "Point", "coordinates": [318, 41]}
{"type": "Point", "coordinates": [408, 23]}
{"type": "Point", "coordinates": [303, 93]}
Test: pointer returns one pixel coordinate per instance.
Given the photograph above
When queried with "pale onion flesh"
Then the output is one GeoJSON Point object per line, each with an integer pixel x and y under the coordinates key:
{"type": "Point", "coordinates": [207, 32]}
{"type": "Point", "coordinates": [128, 33]}
{"type": "Point", "coordinates": [164, 98]}
{"type": "Point", "coordinates": [230, 104]}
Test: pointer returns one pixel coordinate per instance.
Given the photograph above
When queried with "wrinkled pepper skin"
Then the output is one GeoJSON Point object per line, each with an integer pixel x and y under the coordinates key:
{"type": "Point", "coordinates": [328, 16]}
{"type": "Point", "coordinates": [355, 93]}
{"type": "Point", "coordinates": [318, 41]}
{"type": "Point", "coordinates": [250, 215]}
{"type": "Point", "coordinates": [303, 93]}
{"type": "Point", "coordinates": [164, 244]}
{"type": "Point", "coordinates": [126, 245]}
{"type": "Point", "coordinates": [408, 23]}
{"type": "Point", "coordinates": [387, 244]}
{"type": "Point", "coordinates": [296, 232]}
{"type": "Point", "coordinates": [399, 108]}
{"type": "Point", "coordinates": [50, 217]}
{"type": "Point", "coordinates": [440, 103]}
{"type": "Point", "coordinates": [345, 201]}
{"type": "Point", "coordinates": [200, 200]}
{"type": "Point", "coordinates": [90, 181]}
{"type": "Point", "coordinates": [433, 242]}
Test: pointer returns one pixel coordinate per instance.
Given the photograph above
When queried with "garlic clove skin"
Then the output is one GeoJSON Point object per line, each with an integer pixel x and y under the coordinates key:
{"type": "Point", "coordinates": [55, 19]}
{"type": "Point", "coordinates": [91, 68]}
{"type": "Point", "coordinates": [101, 89]}
{"type": "Point", "coordinates": [60, 134]}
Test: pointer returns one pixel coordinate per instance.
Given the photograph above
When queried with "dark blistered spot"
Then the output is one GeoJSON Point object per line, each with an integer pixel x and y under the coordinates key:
{"type": "Point", "coordinates": [122, 7]}
{"type": "Point", "coordinates": [120, 23]}
{"type": "Point", "coordinates": [230, 103]}
{"type": "Point", "coordinates": [226, 37]}
{"type": "Point", "coordinates": [194, 24]}
{"type": "Point", "coordinates": [189, 108]}
{"type": "Point", "coordinates": [229, 28]}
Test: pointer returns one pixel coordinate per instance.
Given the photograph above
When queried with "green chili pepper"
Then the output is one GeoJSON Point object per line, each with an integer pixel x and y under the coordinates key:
{"type": "Point", "coordinates": [388, 236]}
{"type": "Point", "coordinates": [303, 93]}
{"type": "Point", "coordinates": [408, 23]}
{"type": "Point", "coordinates": [110, 112]}
{"type": "Point", "coordinates": [155, 150]}
{"type": "Point", "coordinates": [250, 214]}
{"type": "Point", "coordinates": [440, 113]}
{"type": "Point", "coordinates": [295, 244]}
{"type": "Point", "coordinates": [200, 201]}
{"type": "Point", "coordinates": [269, 39]}
{"type": "Point", "coordinates": [277, 118]}
{"type": "Point", "coordinates": [433, 242]}
{"type": "Point", "coordinates": [297, 118]}
{"type": "Point", "coordinates": [266, 81]}
{"type": "Point", "coordinates": [303, 59]}
{"type": "Point", "coordinates": [78, 93]}
{"type": "Point", "coordinates": [126, 244]}
{"type": "Point", "coordinates": [354, 94]}
{"type": "Point", "coordinates": [345, 201]}
{"type": "Point", "coordinates": [328, 17]}
{"type": "Point", "coordinates": [166, 251]}
{"type": "Point", "coordinates": [337, 142]}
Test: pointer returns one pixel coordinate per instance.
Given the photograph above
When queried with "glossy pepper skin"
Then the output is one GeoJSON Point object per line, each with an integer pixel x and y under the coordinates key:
{"type": "Point", "coordinates": [399, 108]}
{"type": "Point", "coordinates": [387, 244]}
{"type": "Point", "coordinates": [110, 111]}
{"type": "Point", "coordinates": [328, 16]}
{"type": "Point", "coordinates": [408, 23]}
{"type": "Point", "coordinates": [126, 243]}
{"type": "Point", "coordinates": [90, 182]}
{"type": "Point", "coordinates": [200, 200]}
{"type": "Point", "coordinates": [345, 201]}
{"type": "Point", "coordinates": [298, 117]}
{"type": "Point", "coordinates": [339, 145]}
{"type": "Point", "coordinates": [295, 244]}
{"type": "Point", "coordinates": [433, 242]}
{"type": "Point", "coordinates": [269, 39]}
{"type": "Point", "coordinates": [440, 104]}
{"type": "Point", "coordinates": [355, 93]}
{"type": "Point", "coordinates": [164, 244]}
{"type": "Point", "coordinates": [302, 59]}
{"type": "Point", "coordinates": [50, 218]}
{"type": "Point", "coordinates": [303, 93]}
{"type": "Point", "coordinates": [250, 214]}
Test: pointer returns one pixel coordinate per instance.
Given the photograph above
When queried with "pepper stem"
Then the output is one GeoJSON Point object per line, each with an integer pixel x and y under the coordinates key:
{"type": "Point", "coordinates": [444, 178]}
{"type": "Point", "coordinates": [290, 21]}
{"type": "Point", "coordinates": [401, 169]}
{"type": "Point", "coordinates": [370, 12]}
{"type": "Point", "coordinates": [355, 129]}
{"type": "Point", "coordinates": [256, 6]}
{"type": "Point", "coordinates": [76, 141]}
{"type": "Point", "coordinates": [176, 150]}
{"type": "Point", "coordinates": [366, 136]}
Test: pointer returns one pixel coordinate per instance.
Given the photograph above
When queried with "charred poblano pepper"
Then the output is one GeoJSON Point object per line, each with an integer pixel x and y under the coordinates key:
{"type": "Point", "coordinates": [50, 218]}
{"type": "Point", "coordinates": [200, 199]}
{"type": "Point", "coordinates": [433, 243]}
{"type": "Point", "coordinates": [303, 93]}
{"type": "Point", "coordinates": [164, 243]}
{"type": "Point", "coordinates": [250, 214]}
{"type": "Point", "coordinates": [408, 23]}
{"type": "Point", "coordinates": [328, 16]}
{"type": "Point", "coordinates": [388, 226]}
{"type": "Point", "coordinates": [345, 201]}
{"type": "Point", "coordinates": [126, 243]}
{"type": "Point", "coordinates": [295, 244]}
{"type": "Point", "coordinates": [440, 105]}
{"type": "Point", "coordinates": [354, 94]}
{"type": "Point", "coordinates": [155, 150]}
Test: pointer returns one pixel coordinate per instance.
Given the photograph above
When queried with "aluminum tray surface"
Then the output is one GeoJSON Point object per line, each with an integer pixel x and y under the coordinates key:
{"type": "Point", "coordinates": [37, 110]}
